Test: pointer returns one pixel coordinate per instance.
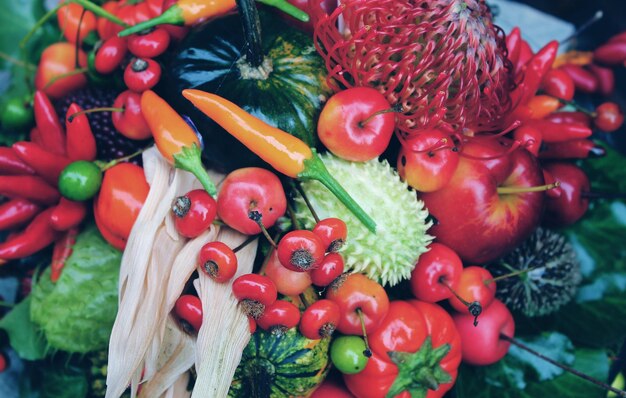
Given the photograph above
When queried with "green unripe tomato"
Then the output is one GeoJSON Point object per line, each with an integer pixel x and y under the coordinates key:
{"type": "Point", "coordinates": [80, 180]}
{"type": "Point", "coordinates": [348, 354]}
{"type": "Point", "coordinates": [17, 114]}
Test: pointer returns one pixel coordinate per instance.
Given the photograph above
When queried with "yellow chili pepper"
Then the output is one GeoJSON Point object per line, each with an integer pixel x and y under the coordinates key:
{"type": "Point", "coordinates": [283, 151]}
{"type": "Point", "coordinates": [174, 138]}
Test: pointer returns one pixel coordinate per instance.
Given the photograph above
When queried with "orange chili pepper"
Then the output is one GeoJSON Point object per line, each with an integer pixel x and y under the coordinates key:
{"type": "Point", "coordinates": [286, 153]}
{"type": "Point", "coordinates": [191, 12]}
{"type": "Point", "coordinates": [174, 138]}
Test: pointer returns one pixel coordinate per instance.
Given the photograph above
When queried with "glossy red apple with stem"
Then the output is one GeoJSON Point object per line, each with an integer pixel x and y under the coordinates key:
{"type": "Point", "coordinates": [436, 274]}
{"type": "Point", "coordinates": [492, 203]}
{"type": "Point", "coordinates": [427, 161]}
{"type": "Point", "coordinates": [251, 189]}
{"type": "Point", "coordinates": [356, 124]}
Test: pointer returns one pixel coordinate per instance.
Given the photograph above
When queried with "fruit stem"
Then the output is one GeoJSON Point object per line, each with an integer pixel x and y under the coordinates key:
{"type": "Point", "coordinates": [487, 282]}
{"type": "Point", "coordinates": [603, 195]}
{"type": "Point", "coordinates": [245, 243]}
{"type": "Point", "coordinates": [172, 15]}
{"type": "Point", "coordinates": [38, 25]}
{"type": "Point", "coordinates": [17, 62]}
{"type": "Point", "coordinates": [595, 18]}
{"type": "Point", "coordinates": [64, 75]}
{"type": "Point", "coordinates": [189, 159]}
{"type": "Point", "coordinates": [251, 32]}
{"type": "Point", "coordinates": [474, 308]}
{"type": "Point", "coordinates": [105, 166]}
{"type": "Point", "coordinates": [566, 368]}
{"type": "Point", "coordinates": [6, 304]}
{"type": "Point", "coordinates": [99, 11]}
{"type": "Point", "coordinates": [362, 123]}
{"type": "Point", "coordinates": [257, 217]}
{"type": "Point", "coordinates": [314, 169]}
{"type": "Point", "coordinates": [306, 201]}
{"type": "Point", "coordinates": [516, 190]}
{"type": "Point", "coordinates": [93, 110]}
{"type": "Point", "coordinates": [368, 351]}
{"type": "Point", "coordinates": [578, 107]}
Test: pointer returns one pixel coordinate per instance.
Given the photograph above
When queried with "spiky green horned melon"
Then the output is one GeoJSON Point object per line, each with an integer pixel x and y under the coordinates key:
{"type": "Point", "coordinates": [401, 236]}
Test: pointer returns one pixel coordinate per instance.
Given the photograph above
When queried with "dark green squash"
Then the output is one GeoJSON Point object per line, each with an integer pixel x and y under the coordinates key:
{"type": "Point", "coordinates": [287, 89]}
{"type": "Point", "coordinates": [289, 365]}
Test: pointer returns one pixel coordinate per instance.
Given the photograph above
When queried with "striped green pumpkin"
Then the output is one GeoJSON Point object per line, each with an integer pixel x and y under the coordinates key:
{"type": "Point", "coordinates": [273, 366]}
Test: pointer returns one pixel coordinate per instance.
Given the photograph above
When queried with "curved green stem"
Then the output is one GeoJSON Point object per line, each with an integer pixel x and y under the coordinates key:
{"type": "Point", "coordinates": [171, 16]}
{"type": "Point", "coordinates": [99, 11]}
{"type": "Point", "coordinates": [287, 8]}
{"type": "Point", "coordinates": [188, 159]}
{"type": "Point", "coordinates": [314, 169]}
{"type": "Point", "coordinates": [39, 24]}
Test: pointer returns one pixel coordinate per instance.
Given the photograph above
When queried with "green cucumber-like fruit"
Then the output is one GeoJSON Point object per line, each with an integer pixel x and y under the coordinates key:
{"type": "Point", "coordinates": [402, 222]}
{"type": "Point", "coordinates": [286, 90]}
{"type": "Point", "coordinates": [280, 366]}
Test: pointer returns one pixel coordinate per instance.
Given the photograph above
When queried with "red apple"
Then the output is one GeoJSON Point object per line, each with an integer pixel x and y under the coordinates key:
{"type": "Point", "coordinates": [428, 160]}
{"type": "Point", "coordinates": [248, 189]}
{"type": "Point", "coordinates": [350, 127]}
{"type": "Point", "coordinates": [473, 216]}
{"type": "Point", "coordinates": [572, 204]}
{"type": "Point", "coordinates": [481, 344]}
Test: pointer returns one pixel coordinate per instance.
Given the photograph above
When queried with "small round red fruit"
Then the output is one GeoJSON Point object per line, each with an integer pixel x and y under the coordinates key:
{"type": "Point", "coordinates": [150, 44]}
{"type": "Point", "coordinates": [333, 232]}
{"type": "Point", "coordinates": [189, 308]}
{"type": "Point", "coordinates": [142, 74]}
{"type": "Point", "coordinates": [572, 204]}
{"type": "Point", "coordinates": [300, 250]}
{"type": "Point", "coordinates": [130, 122]}
{"type": "Point", "coordinates": [194, 213]}
{"type": "Point", "coordinates": [437, 270]}
{"type": "Point", "coordinates": [354, 126]}
{"type": "Point", "coordinates": [288, 283]}
{"type": "Point", "coordinates": [328, 270]}
{"type": "Point", "coordinates": [279, 317]}
{"type": "Point", "coordinates": [609, 117]}
{"type": "Point", "coordinates": [110, 55]}
{"type": "Point", "coordinates": [362, 301]}
{"type": "Point", "coordinates": [254, 292]}
{"type": "Point", "coordinates": [218, 261]}
{"type": "Point", "coordinates": [248, 189]}
{"type": "Point", "coordinates": [475, 285]}
{"type": "Point", "coordinates": [482, 345]}
{"type": "Point", "coordinates": [320, 319]}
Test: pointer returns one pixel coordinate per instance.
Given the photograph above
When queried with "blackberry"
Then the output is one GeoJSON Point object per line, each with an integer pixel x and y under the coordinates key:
{"type": "Point", "coordinates": [110, 143]}
{"type": "Point", "coordinates": [551, 279]}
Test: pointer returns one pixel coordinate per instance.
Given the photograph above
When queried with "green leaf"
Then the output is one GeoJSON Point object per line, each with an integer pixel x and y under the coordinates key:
{"type": "Point", "coordinates": [504, 379]}
{"type": "Point", "coordinates": [76, 314]}
{"type": "Point", "coordinates": [553, 345]}
{"type": "Point", "coordinates": [64, 382]}
{"type": "Point", "coordinates": [24, 336]}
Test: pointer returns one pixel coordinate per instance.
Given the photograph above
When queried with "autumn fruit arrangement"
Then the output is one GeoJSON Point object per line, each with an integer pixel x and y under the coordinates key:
{"type": "Point", "coordinates": [369, 198]}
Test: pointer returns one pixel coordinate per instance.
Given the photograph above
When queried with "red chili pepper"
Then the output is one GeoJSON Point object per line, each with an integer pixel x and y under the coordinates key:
{"type": "Point", "coordinates": [534, 71]}
{"type": "Point", "coordinates": [50, 129]}
{"type": "Point", "coordinates": [35, 237]}
{"type": "Point", "coordinates": [61, 252]}
{"type": "Point", "coordinates": [584, 80]}
{"type": "Point", "coordinates": [35, 136]}
{"type": "Point", "coordinates": [605, 77]}
{"type": "Point", "coordinates": [67, 214]}
{"type": "Point", "coordinates": [81, 143]}
{"type": "Point", "coordinates": [560, 132]}
{"type": "Point", "coordinates": [525, 54]}
{"type": "Point", "coordinates": [543, 105]}
{"type": "Point", "coordinates": [32, 188]}
{"type": "Point", "coordinates": [574, 149]}
{"type": "Point", "coordinates": [611, 53]}
{"type": "Point", "coordinates": [558, 84]}
{"type": "Point", "coordinates": [570, 117]}
{"type": "Point", "coordinates": [110, 55]}
{"type": "Point", "coordinates": [46, 164]}
{"type": "Point", "coordinates": [11, 164]}
{"type": "Point", "coordinates": [513, 44]}
{"type": "Point", "coordinates": [17, 212]}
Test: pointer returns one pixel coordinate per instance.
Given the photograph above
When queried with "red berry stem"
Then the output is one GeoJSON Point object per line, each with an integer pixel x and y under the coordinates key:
{"type": "Point", "coordinates": [14, 61]}
{"type": "Point", "coordinates": [599, 383]}
{"type": "Point", "coordinates": [257, 217]}
{"type": "Point", "coordinates": [306, 201]}
{"type": "Point", "coordinates": [475, 308]}
{"type": "Point", "coordinates": [245, 243]}
{"type": "Point", "coordinates": [595, 18]}
{"type": "Point", "coordinates": [487, 282]}
{"type": "Point", "coordinates": [368, 351]}
{"type": "Point", "coordinates": [93, 110]}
